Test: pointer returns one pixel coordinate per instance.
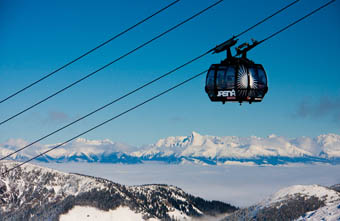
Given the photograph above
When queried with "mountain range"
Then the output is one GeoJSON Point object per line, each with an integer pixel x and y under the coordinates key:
{"type": "Point", "coordinates": [37, 193]}
{"type": "Point", "coordinates": [195, 148]}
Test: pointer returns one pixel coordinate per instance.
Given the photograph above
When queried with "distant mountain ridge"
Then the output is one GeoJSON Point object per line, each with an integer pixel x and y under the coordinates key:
{"type": "Point", "coordinates": [195, 148]}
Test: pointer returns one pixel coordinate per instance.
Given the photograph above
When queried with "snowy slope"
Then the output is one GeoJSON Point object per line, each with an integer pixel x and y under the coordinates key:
{"type": "Point", "coordinates": [328, 196]}
{"type": "Point", "coordinates": [326, 213]}
{"type": "Point", "coordinates": [195, 148]}
{"type": "Point", "coordinates": [298, 202]}
{"type": "Point", "coordinates": [93, 214]}
{"type": "Point", "coordinates": [38, 193]}
{"type": "Point", "coordinates": [329, 212]}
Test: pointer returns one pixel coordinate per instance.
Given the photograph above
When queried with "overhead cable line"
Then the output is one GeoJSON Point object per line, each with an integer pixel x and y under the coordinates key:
{"type": "Point", "coordinates": [297, 21]}
{"type": "Point", "coordinates": [107, 121]}
{"type": "Point", "coordinates": [112, 62]}
{"type": "Point", "coordinates": [267, 18]}
{"type": "Point", "coordinates": [154, 97]}
{"type": "Point", "coordinates": [141, 87]}
{"type": "Point", "coordinates": [256, 43]}
{"type": "Point", "coordinates": [104, 106]}
{"type": "Point", "coordinates": [89, 52]}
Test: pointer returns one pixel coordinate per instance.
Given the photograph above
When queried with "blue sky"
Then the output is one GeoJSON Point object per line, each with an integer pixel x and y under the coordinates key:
{"type": "Point", "coordinates": [38, 36]}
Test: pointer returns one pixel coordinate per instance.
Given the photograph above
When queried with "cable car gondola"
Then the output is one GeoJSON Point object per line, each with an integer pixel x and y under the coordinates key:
{"type": "Point", "coordinates": [236, 79]}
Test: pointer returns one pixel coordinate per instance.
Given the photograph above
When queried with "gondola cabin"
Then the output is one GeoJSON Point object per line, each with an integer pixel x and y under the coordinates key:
{"type": "Point", "coordinates": [236, 80]}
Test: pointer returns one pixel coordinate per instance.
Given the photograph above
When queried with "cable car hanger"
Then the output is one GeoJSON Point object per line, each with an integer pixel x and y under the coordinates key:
{"type": "Point", "coordinates": [236, 79]}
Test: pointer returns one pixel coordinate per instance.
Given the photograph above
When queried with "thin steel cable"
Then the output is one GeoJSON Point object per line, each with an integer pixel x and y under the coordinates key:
{"type": "Point", "coordinates": [297, 21]}
{"type": "Point", "coordinates": [265, 19]}
{"type": "Point", "coordinates": [89, 52]}
{"type": "Point", "coordinates": [107, 121]}
{"type": "Point", "coordinates": [112, 62]}
{"type": "Point", "coordinates": [106, 105]}
{"type": "Point", "coordinates": [135, 90]}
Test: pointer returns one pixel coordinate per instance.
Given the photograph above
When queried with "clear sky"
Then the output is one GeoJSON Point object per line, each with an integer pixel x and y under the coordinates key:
{"type": "Point", "coordinates": [36, 37]}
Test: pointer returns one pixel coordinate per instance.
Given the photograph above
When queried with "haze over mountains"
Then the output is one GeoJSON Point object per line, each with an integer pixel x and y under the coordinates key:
{"type": "Point", "coordinates": [195, 148]}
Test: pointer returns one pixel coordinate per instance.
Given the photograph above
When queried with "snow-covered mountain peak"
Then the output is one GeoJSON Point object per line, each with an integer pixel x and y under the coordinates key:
{"type": "Point", "coordinates": [198, 139]}
{"type": "Point", "coordinates": [194, 133]}
{"type": "Point", "coordinates": [195, 139]}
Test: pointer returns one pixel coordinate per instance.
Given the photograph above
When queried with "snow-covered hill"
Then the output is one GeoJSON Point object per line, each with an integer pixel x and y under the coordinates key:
{"type": "Point", "coordinates": [36, 193]}
{"type": "Point", "coordinates": [195, 148]}
{"type": "Point", "coordinates": [299, 202]}
{"type": "Point", "coordinates": [327, 195]}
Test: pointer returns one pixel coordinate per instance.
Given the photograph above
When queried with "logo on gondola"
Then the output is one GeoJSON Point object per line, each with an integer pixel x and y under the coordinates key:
{"type": "Point", "coordinates": [246, 79]}
{"type": "Point", "coordinates": [243, 81]}
{"type": "Point", "coordinates": [231, 93]}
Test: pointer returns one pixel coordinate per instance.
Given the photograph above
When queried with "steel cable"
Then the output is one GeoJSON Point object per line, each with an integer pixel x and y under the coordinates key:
{"type": "Point", "coordinates": [112, 62]}
{"type": "Point", "coordinates": [88, 52]}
